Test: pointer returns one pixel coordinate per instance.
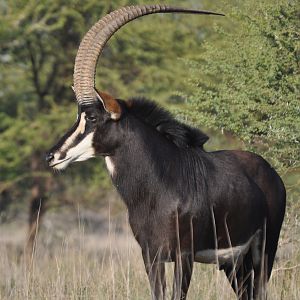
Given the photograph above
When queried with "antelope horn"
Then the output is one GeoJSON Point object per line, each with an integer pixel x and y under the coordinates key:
{"type": "Point", "coordinates": [95, 39]}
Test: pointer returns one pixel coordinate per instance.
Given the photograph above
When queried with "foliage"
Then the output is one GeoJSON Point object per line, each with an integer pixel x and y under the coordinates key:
{"type": "Point", "coordinates": [247, 83]}
{"type": "Point", "coordinates": [244, 79]}
{"type": "Point", "coordinates": [39, 41]}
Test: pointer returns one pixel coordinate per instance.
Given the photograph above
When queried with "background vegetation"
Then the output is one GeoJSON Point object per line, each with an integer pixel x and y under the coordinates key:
{"type": "Point", "coordinates": [238, 77]}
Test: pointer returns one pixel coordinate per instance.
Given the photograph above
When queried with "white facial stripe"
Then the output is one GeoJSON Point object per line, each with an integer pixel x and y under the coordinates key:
{"type": "Point", "coordinates": [212, 256]}
{"type": "Point", "coordinates": [110, 165]}
{"type": "Point", "coordinates": [83, 150]}
{"type": "Point", "coordinates": [80, 152]}
{"type": "Point", "coordinates": [79, 130]}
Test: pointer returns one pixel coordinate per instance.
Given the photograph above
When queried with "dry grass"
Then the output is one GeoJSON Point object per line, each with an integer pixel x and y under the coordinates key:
{"type": "Point", "coordinates": [83, 264]}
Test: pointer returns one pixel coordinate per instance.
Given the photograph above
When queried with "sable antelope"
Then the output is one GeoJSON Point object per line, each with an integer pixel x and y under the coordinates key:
{"type": "Point", "coordinates": [185, 205]}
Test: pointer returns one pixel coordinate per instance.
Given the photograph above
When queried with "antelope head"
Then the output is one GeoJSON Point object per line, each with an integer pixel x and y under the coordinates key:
{"type": "Point", "coordinates": [95, 130]}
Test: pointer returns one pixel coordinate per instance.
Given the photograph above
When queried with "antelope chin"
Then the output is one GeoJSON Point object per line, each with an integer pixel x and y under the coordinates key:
{"type": "Point", "coordinates": [61, 165]}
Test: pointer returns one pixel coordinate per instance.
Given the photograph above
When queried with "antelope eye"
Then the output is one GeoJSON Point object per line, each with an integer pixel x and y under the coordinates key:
{"type": "Point", "coordinates": [91, 118]}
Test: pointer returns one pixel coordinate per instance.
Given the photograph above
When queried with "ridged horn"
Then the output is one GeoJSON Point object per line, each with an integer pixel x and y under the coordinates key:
{"type": "Point", "coordinates": [95, 39]}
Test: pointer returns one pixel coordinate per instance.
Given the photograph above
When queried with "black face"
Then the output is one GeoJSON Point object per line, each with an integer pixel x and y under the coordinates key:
{"type": "Point", "coordinates": [93, 133]}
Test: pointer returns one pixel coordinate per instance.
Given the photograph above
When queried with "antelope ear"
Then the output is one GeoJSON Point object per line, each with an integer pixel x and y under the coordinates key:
{"type": "Point", "coordinates": [110, 104]}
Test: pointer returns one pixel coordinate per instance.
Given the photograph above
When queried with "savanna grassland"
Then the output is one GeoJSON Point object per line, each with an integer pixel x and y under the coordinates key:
{"type": "Point", "coordinates": [236, 77]}
{"type": "Point", "coordinates": [85, 255]}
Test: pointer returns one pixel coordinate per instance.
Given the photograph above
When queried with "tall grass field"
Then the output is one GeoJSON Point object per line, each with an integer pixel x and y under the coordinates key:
{"type": "Point", "coordinates": [87, 255]}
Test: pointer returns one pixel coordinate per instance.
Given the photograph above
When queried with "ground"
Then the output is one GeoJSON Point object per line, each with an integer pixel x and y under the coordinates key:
{"type": "Point", "coordinates": [83, 254]}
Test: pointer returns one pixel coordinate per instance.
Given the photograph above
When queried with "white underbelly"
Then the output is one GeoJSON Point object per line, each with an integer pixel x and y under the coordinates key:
{"type": "Point", "coordinates": [226, 255]}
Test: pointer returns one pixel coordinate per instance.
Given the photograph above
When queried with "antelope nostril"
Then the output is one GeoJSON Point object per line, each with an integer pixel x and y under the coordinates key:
{"type": "Point", "coordinates": [49, 156]}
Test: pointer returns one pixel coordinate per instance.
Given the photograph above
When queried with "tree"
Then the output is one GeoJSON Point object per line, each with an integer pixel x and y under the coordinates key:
{"type": "Point", "coordinates": [247, 82]}
{"type": "Point", "coordinates": [39, 40]}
